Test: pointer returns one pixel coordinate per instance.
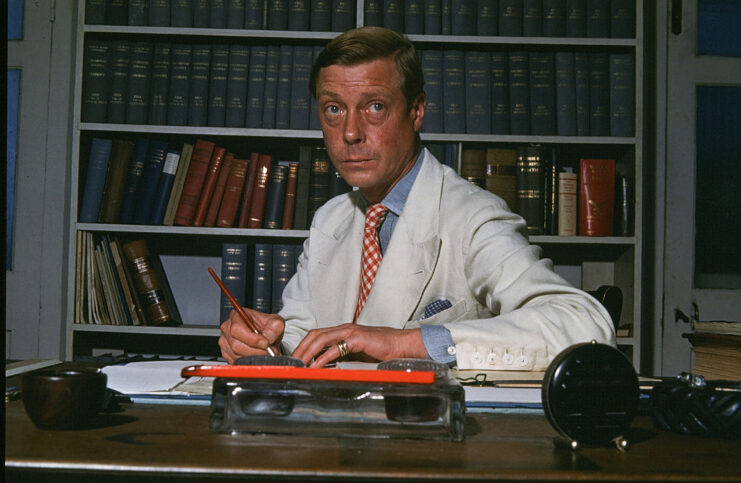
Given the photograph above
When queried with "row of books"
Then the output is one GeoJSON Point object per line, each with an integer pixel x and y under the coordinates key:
{"type": "Point", "coordinates": [296, 15]}
{"type": "Point", "coordinates": [530, 18]}
{"type": "Point", "coordinates": [179, 84]}
{"type": "Point", "coordinates": [203, 184]}
{"type": "Point", "coordinates": [565, 93]}
{"type": "Point", "coordinates": [121, 282]}
{"type": "Point", "coordinates": [555, 197]}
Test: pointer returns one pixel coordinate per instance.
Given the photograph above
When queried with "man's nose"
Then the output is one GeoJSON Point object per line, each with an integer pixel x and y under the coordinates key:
{"type": "Point", "coordinates": [353, 130]}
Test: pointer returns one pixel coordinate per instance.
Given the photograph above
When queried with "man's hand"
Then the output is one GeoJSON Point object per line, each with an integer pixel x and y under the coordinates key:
{"type": "Point", "coordinates": [364, 342]}
{"type": "Point", "coordinates": [238, 340]}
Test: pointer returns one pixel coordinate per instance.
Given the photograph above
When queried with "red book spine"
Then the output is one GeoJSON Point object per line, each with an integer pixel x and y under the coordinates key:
{"type": "Point", "coordinates": [215, 204]}
{"type": "Point", "coordinates": [232, 194]}
{"type": "Point", "coordinates": [257, 206]}
{"type": "Point", "coordinates": [596, 196]}
{"type": "Point", "coordinates": [249, 188]}
{"type": "Point", "coordinates": [290, 202]}
{"type": "Point", "coordinates": [209, 184]}
{"type": "Point", "coordinates": [194, 182]}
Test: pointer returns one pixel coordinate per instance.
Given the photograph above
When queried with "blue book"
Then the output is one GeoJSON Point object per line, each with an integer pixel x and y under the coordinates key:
{"type": "Point", "coordinates": [445, 17]}
{"type": "Point", "coordinates": [256, 85]}
{"type": "Point", "coordinates": [414, 16]}
{"type": "Point", "coordinates": [565, 94]}
{"type": "Point", "coordinates": [599, 94]}
{"type": "Point", "coordinates": [150, 179]}
{"type": "Point", "coordinates": [519, 93]}
{"type": "Point", "coordinates": [217, 14]}
{"type": "Point", "coordinates": [487, 17]}
{"type": "Point", "coordinates": [201, 13]}
{"type": "Point", "coordinates": [272, 64]}
{"type": "Point", "coordinates": [303, 57]}
{"type": "Point", "coordinates": [200, 66]}
{"type": "Point", "coordinates": [119, 77]}
{"type": "Point", "coordinates": [278, 178]}
{"type": "Point", "coordinates": [343, 15]}
{"type": "Point", "coordinates": [159, 13]}
{"type": "Point", "coordinates": [164, 186]}
{"type": "Point", "coordinates": [160, 83]}
{"type": "Point", "coordinates": [463, 17]}
{"type": "Point", "coordinates": [283, 94]}
{"type": "Point", "coordinates": [321, 16]}
{"type": "Point", "coordinates": [133, 178]}
{"type": "Point", "coordinates": [393, 15]}
{"type": "Point", "coordinates": [177, 94]}
{"type": "Point", "coordinates": [235, 10]}
{"type": "Point", "coordinates": [236, 86]}
{"type": "Point", "coordinates": [622, 19]}
{"type": "Point", "coordinates": [253, 15]}
{"type": "Point", "coordinates": [510, 18]}
{"type": "Point", "coordinates": [622, 94]}
{"type": "Point", "coordinates": [532, 18]}
{"type": "Point", "coordinates": [140, 71]}
{"type": "Point", "coordinates": [97, 168]}
{"type": "Point", "coordinates": [454, 91]}
{"type": "Point", "coordinates": [181, 13]}
{"type": "Point", "coordinates": [277, 14]}
{"type": "Point", "coordinates": [217, 83]}
{"type": "Point", "coordinates": [499, 92]}
{"type": "Point", "coordinates": [432, 68]}
{"type": "Point", "coordinates": [576, 18]}
{"type": "Point", "coordinates": [374, 13]}
{"type": "Point", "coordinates": [542, 94]}
{"type": "Point", "coordinates": [554, 18]}
{"type": "Point", "coordinates": [94, 12]}
{"type": "Point", "coordinates": [298, 15]}
{"type": "Point", "coordinates": [95, 73]}
{"type": "Point", "coordinates": [137, 13]}
{"type": "Point", "coordinates": [313, 110]}
{"type": "Point", "coordinates": [478, 92]}
{"type": "Point", "coordinates": [284, 266]}
{"type": "Point", "coordinates": [233, 276]}
{"type": "Point", "coordinates": [581, 88]}
{"type": "Point", "coordinates": [598, 18]}
{"type": "Point", "coordinates": [262, 277]}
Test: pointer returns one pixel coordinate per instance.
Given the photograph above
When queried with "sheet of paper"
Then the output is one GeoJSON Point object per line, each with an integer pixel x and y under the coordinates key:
{"type": "Point", "coordinates": [155, 377]}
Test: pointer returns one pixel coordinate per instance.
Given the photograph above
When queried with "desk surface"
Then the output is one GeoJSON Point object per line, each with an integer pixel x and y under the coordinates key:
{"type": "Point", "coordinates": [159, 441]}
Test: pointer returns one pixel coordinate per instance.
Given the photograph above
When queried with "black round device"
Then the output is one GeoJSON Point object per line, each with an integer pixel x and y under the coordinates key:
{"type": "Point", "coordinates": [590, 394]}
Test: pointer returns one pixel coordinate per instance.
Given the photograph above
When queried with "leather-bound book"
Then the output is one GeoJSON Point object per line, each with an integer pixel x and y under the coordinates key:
{"type": "Point", "coordinates": [487, 17]}
{"type": "Point", "coordinates": [343, 15]}
{"type": "Point", "coordinates": [414, 16]}
{"type": "Point", "coordinates": [373, 13]}
{"type": "Point", "coordinates": [194, 182]}
{"type": "Point", "coordinates": [180, 78]}
{"type": "Point", "coordinates": [217, 83]}
{"type": "Point", "coordinates": [198, 89]}
{"type": "Point", "coordinates": [256, 86]}
{"type": "Point", "coordinates": [276, 196]}
{"type": "Point", "coordinates": [530, 180]}
{"type": "Point", "coordinates": [289, 204]}
{"type": "Point", "coordinates": [320, 19]}
{"type": "Point", "coordinates": [150, 179]}
{"type": "Point", "coordinates": [233, 275]}
{"type": "Point", "coordinates": [97, 169]}
{"type": "Point", "coordinates": [261, 277]}
{"type": "Point", "coordinates": [235, 12]}
{"type": "Point", "coordinates": [115, 183]}
{"type": "Point", "coordinates": [284, 266]}
{"type": "Point", "coordinates": [159, 13]}
{"type": "Point", "coordinates": [137, 13]}
{"type": "Point", "coordinates": [500, 174]}
{"type": "Point", "coordinates": [177, 186]}
{"type": "Point", "coordinates": [138, 90]}
{"type": "Point", "coordinates": [119, 76]}
{"type": "Point", "coordinates": [249, 188]}
{"type": "Point", "coordinates": [232, 194]}
{"type": "Point", "coordinates": [576, 18]}
{"type": "Point", "coordinates": [160, 83]}
{"type": "Point", "coordinates": [318, 181]}
{"type": "Point", "coordinates": [301, 210]}
{"type": "Point", "coordinates": [209, 185]}
{"type": "Point", "coordinates": [133, 178]}
{"type": "Point", "coordinates": [259, 195]}
{"type": "Point", "coordinates": [478, 92]}
{"type": "Point", "coordinates": [624, 206]}
{"type": "Point", "coordinates": [568, 188]}
{"type": "Point", "coordinates": [596, 196]}
{"type": "Point", "coordinates": [432, 67]}
{"type": "Point", "coordinates": [95, 73]}
{"type": "Point", "coordinates": [218, 195]}
{"type": "Point", "coordinates": [253, 14]}
{"type": "Point", "coordinates": [473, 166]}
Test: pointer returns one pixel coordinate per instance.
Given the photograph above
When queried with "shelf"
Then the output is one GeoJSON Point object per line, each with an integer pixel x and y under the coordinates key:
{"type": "Point", "coordinates": [189, 230]}
{"type": "Point", "coordinates": [193, 330]}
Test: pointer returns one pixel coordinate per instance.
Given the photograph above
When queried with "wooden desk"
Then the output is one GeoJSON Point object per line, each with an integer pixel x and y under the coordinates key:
{"type": "Point", "coordinates": [171, 442]}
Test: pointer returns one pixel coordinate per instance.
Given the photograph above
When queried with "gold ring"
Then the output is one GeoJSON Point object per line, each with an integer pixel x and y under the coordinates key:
{"type": "Point", "coordinates": [344, 350]}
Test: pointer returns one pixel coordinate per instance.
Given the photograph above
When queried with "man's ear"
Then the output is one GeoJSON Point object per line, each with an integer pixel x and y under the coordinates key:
{"type": "Point", "coordinates": [418, 111]}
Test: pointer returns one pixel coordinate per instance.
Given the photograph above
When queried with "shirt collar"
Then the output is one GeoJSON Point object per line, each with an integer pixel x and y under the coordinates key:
{"type": "Point", "coordinates": [397, 197]}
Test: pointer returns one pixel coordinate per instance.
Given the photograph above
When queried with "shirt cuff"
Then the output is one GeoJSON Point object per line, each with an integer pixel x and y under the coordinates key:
{"type": "Point", "coordinates": [439, 343]}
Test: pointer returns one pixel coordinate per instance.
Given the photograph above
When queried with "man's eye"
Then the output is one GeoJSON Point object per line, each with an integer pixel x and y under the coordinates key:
{"type": "Point", "coordinates": [332, 110]}
{"type": "Point", "coordinates": [376, 107]}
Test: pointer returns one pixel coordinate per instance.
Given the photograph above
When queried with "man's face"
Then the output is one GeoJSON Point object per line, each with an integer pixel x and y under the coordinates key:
{"type": "Point", "coordinates": [368, 131]}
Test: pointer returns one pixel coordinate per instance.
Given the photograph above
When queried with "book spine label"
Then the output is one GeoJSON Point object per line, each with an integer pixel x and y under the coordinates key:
{"type": "Point", "coordinates": [261, 278]}
{"type": "Point", "coordinates": [530, 179]}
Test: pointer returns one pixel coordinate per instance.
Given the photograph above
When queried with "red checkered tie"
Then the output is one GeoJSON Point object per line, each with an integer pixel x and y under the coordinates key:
{"type": "Point", "coordinates": [374, 216]}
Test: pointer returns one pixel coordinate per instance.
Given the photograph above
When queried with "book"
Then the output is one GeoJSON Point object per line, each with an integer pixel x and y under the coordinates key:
{"type": "Point", "coordinates": [624, 206]}
{"type": "Point", "coordinates": [117, 12]}
{"type": "Point", "coordinates": [343, 15]}
{"type": "Point", "coordinates": [118, 79]}
{"type": "Point", "coordinates": [478, 92]}
{"type": "Point", "coordinates": [576, 18]}
{"type": "Point", "coordinates": [532, 18]}
{"type": "Point", "coordinates": [256, 86]}
{"type": "Point", "coordinates": [432, 65]}
{"type": "Point", "coordinates": [314, 122]}
{"type": "Point", "coordinates": [137, 13]}
{"type": "Point", "coordinates": [270, 98]}
{"type": "Point", "coordinates": [554, 18]}
{"type": "Point", "coordinates": [542, 94]}
{"type": "Point", "coordinates": [473, 166]}
{"type": "Point", "coordinates": [95, 72]}
{"type": "Point", "coordinates": [289, 203]}
{"type": "Point", "coordinates": [414, 16]}
{"type": "Point", "coordinates": [499, 64]}
{"type": "Point", "coordinates": [530, 179]}
{"type": "Point", "coordinates": [147, 189]}
{"type": "Point", "coordinates": [217, 14]}
{"type": "Point", "coordinates": [217, 85]}
{"type": "Point", "coordinates": [200, 65]}
{"type": "Point", "coordinates": [716, 326]}
{"type": "Point", "coordinates": [337, 184]}
{"type": "Point", "coordinates": [201, 13]}
{"type": "Point", "coordinates": [599, 94]}
{"type": "Point", "coordinates": [159, 13]}
{"type": "Point", "coordinates": [567, 203]}
{"type": "Point", "coordinates": [151, 284]}
{"type": "Point", "coordinates": [622, 94]}
{"type": "Point", "coordinates": [284, 266]}
{"type": "Point", "coordinates": [321, 16]}
{"type": "Point", "coordinates": [454, 91]}
{"type": "Point", "coordinates": [373, 13]}
{"type": "Point", "coordinates": [598, 18]}
{"type": "Point", "coordinates": [209, 185]}
{"type": "Point", "coordinates": [214, 205]}
{"type": "Point", "coordinates": [177, 185]}
{"type": "Point", "coordinates": [519, 92]}
{"type": "Point", "coordinates": [550, 192]}
{"type": "Point", "coordinates": [95, 12]}
{"type": "Point", "coordinates": [487, 17]}
{"type": "Point", "coordinates": [115, 183]}
{"type": "Point", "coordinates": [260, 191]}
{"type": "Point", "coordinates": [300, 95]}
{"type": "Point", "coordinates": [160, 83]}
{"type": "Point", "coordinates": [253, 14]}
{"type": "Point", "coordinates": [97, 169]}
{"type": "Point", "coordinates": [301, 210]}
{"type": "Point", "coordinates": [445, 14]}
{"type": "Point", "coordinates": [235, 11]}
{"type": "Point", "coordinates": [249, 189]}
{"type": "Point", "coordinates": [133, 178]}
{"type": "Point", "coordinates": [261, 277]}
{"type": "Point", "coordinates": [565, 94]}
{"type": "Point", "coordinates": [283, 92]}
{"type": "Point", "coordinates": [510, 18]}
{"type": "Point", "coordinates": [393, 15]}
{"type": "Point", "coordinates": [717, 355]}
{"type": "Point", "coordinates": [181, 13]}
{"type": "Point", "coordinates": [501, 174]}
{"type": "Point", "coordinates": [318, 181]}
{"type": "Point", "coordinates": [581, 92]}
{"type": "Point", "coordinates": [177, 94]}
{"type": "Point", "coordinates": [298, 15]}
{"type": "Point", "coordinates": [236, 88]}
{"type": "Point", "coordinates": [137, 93]}
{"type": "Point", "coordinates": [193, 183]}
{"type": "Point", "coordinates": [233, 275]}
{"type": "Point", "coordinates": [276, 195]}
{"type": "Point", "coordinates": [432, 17]}
{"type": "Point", "coordinates": [277, 14]}
{"type": "Point", "coordinates": [463, 17]}
{"type": "Point", "coordinates": [596, 196]}
{"type": "Point", "coordinates": [232, 194]}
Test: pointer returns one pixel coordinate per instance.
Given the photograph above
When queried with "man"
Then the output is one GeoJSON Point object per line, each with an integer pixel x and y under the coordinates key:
{"type": "Point", "coordinates": [457, 281]}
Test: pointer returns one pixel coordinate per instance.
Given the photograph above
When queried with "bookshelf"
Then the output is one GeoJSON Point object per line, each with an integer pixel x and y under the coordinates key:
{"type": "Point", "coordinates": [585, 261]}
